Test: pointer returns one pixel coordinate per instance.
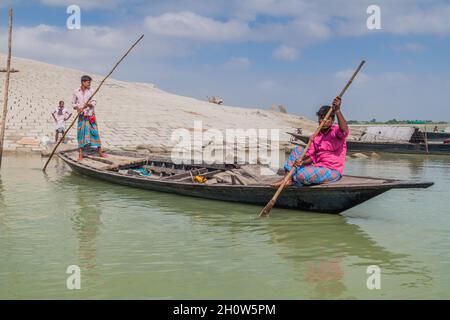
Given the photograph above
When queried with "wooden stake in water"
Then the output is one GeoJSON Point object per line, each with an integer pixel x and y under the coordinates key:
{"type": "Point", "coordinates": [266, 210]}
{"type": "Point", "coordinates": [6, 88]}
{"type": "Point", "coordinates": [87, 102]}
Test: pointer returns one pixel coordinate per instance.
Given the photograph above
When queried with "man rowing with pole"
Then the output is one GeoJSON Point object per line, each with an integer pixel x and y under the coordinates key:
{"type": "Point", "coordinates": [325, 158]}
{"type": "Point", "coordinates": [87, 130]}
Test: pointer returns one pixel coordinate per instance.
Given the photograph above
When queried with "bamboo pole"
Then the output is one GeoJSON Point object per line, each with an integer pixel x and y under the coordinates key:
{"type": "Point", "coordinates": [6, 88]}
{"type": "Point", "coordinates": [87, 102]}
{"type": "Point", "coordinates": [266, 210]}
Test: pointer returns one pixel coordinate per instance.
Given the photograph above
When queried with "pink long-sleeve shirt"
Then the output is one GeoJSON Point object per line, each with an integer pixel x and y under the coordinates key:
{"type": "Point", "coordinates": [79, 98]}
{"type": "Point", "coordinates": [329, 149]}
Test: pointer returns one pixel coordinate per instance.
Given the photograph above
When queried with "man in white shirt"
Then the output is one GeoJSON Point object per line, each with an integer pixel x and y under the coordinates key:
{"type": "Point", "coordinates": [60, 115]}
{"type": "Point", "coordinates": [87, 130]}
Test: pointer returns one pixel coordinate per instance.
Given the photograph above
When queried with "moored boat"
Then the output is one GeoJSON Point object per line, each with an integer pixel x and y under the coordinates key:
{"type": "Point", "coordinates": [234, 183]}
{"type": "Point", "coordinates": [429, 147]}
{"type": "Point", "coordinates": [439, 136]}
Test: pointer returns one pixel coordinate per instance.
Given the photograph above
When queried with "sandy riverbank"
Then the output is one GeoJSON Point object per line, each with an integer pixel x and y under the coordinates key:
{"type": "Point", "coordinates": [129, 114]}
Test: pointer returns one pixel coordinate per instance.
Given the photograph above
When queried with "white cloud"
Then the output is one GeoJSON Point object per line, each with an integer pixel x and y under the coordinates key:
{"type": "Point", "coordinates": [4, 3]}
{"type": "Point", "coordinates": [428, 21]}
{"type": "Point", "coordinates": [402, 17]}
{"type": "Point", "coordinates": [409, 47]}
{"type": "Point", "coordinates": [194, 27]}
{"type": "Point", "coordinates": [188, 25]}
{"type": "Point", "coordinates": [84, 4]}
{"type": "Point", "coordinates": [238, 63]}
{"type": "Point", "coordinates": [347, 74]}
{"type": "Point", "coordinates": [48, 42]}
{"type": "Point", "coordinates": [92, 48]}
{"type": "Point", "coordinates": [286, 53]}
{"type": "Point", "coordinates": [315, 19]}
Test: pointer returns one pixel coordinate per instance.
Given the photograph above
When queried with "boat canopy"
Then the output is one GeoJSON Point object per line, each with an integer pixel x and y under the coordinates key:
{"type": "Point", "coordinates": [391, 134]}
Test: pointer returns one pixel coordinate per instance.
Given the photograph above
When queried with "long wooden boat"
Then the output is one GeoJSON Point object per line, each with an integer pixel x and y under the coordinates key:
{"type": "Point", "coordinates": [234, 183]}
{"type": "Point", "coordinates": [432, 147]}
{"type": "Point", "coordinates": [440, 136]}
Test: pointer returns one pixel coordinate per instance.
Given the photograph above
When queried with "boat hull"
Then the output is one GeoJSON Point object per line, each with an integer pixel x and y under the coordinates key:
{"type": "Point", "coordinates": [408, 148]}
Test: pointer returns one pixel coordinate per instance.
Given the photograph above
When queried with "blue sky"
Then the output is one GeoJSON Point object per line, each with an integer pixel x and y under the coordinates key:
{"type": "Point", "coordinates": [254, 53]}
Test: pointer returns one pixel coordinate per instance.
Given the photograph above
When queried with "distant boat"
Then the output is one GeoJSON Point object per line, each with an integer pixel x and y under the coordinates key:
{"type": "Point", "coordinates": [440, 136]}
{"type": "Point", "coordinates": [406, 140]}
{"type": "Point", "coordinates": [233, 183]}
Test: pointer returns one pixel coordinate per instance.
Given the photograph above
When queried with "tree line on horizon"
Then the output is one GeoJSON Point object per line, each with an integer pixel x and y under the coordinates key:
{"type": "Point", "coordinates": [395, 121]}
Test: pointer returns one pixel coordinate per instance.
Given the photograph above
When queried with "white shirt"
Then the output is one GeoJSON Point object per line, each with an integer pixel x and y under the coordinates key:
{"type": "Point", "coordinates": [79, 98]}
{"type": "Point", "coordinates": [61, 115]}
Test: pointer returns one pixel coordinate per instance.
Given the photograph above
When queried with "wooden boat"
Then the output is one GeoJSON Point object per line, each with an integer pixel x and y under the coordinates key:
{"type": "Point", "coordinates": [234, 183]}
{"type": "Point", "coordinates": [439, 136]}
{"type": "Point", "coordinates": [431, 147]}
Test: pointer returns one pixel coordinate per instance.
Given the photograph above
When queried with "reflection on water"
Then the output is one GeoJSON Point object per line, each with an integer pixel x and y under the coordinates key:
{"type": "Point", "coordinates": [2, 205]}
{"type": "Point", "coordinates": [85, 215]}
{"type": "Point", "coordinates": [337, 241]}
{"type": "Point", "coordinates": [132, 243]}
{"type": "Point", "coordinates": [86, 222]}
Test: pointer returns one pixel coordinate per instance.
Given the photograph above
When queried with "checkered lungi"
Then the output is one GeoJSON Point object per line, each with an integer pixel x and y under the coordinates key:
{"type": "Point", "coordinates": [308, 175]}
{"type": "Point", "coordinates": [87, 132]}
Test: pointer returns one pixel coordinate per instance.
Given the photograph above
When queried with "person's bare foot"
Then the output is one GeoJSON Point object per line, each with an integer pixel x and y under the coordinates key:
{"type": "Point", "coordinates": [80, 155]}
{"type": "Point", "coordinates": [102, 155]}
{"type": "Point", "coordinates": [278, 183]}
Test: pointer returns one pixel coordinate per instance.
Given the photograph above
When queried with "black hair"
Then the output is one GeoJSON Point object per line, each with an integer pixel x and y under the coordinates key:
{"type": "Point", "coordinates": [61, 101]}
{"type": "Point", "coordinates": [86, 78]}
{"type": "Point", "coordinates": [323, 112]}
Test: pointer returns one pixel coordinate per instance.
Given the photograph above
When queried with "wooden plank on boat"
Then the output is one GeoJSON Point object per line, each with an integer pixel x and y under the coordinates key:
{"type": "Point", "coordinates": [100, 159]}
{"type": "Point", "coordinates": [237, 176]}
{"type": "Point", "coordinates": [120, 162]}
{"type": "Point", "coordinates": [352, 180]}
{"type": "Point", "coordinates": [251, 173]}
{"type": "Point", "coordinates": [205, 175]}
{"type": "Point", "coordinates": [95, 164]}
{"type": "Point", "coordinates": [159, 169]}
{"type": "Point", "coordinates": [187, 174]}
{"type": "Point", "coordinates": [113, 162]}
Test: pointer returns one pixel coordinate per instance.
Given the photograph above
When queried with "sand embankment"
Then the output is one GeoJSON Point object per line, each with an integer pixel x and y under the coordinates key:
{"type": "Point", "coordinates": [129, 114]}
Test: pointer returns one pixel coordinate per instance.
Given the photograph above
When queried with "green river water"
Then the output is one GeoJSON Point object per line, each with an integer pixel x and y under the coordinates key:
{"type": "Point", "coordinates": [132, 243]}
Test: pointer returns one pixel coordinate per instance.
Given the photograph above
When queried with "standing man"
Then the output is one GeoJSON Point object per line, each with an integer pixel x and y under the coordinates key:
{"type": "Point", "coordinates": [87, 131]}
{"type": "Point", "coordinates": [60, 115]}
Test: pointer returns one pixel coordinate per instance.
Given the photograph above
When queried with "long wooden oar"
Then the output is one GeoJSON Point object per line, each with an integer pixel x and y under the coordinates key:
{"type": "Point", "coordinates": [266, 210]}
{"type": "Point", "coordinates": [6, 89]}
{"type": "Point", "coordinates": [87, 102]}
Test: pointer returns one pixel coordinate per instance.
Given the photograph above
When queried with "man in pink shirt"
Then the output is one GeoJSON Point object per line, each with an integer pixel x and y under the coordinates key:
{"type": "Point", "coordinates": [325, 158]}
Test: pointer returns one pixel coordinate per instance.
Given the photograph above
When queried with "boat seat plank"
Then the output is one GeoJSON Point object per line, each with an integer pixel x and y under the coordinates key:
{"type": "Point", "coordinates": [158, 169]}
{"type": "Point", "coordinates": [187, 174]}
{"type": "Point", "coordinates": [207, 175]}
{"type": "Point", "coordinates": [95, 164]}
